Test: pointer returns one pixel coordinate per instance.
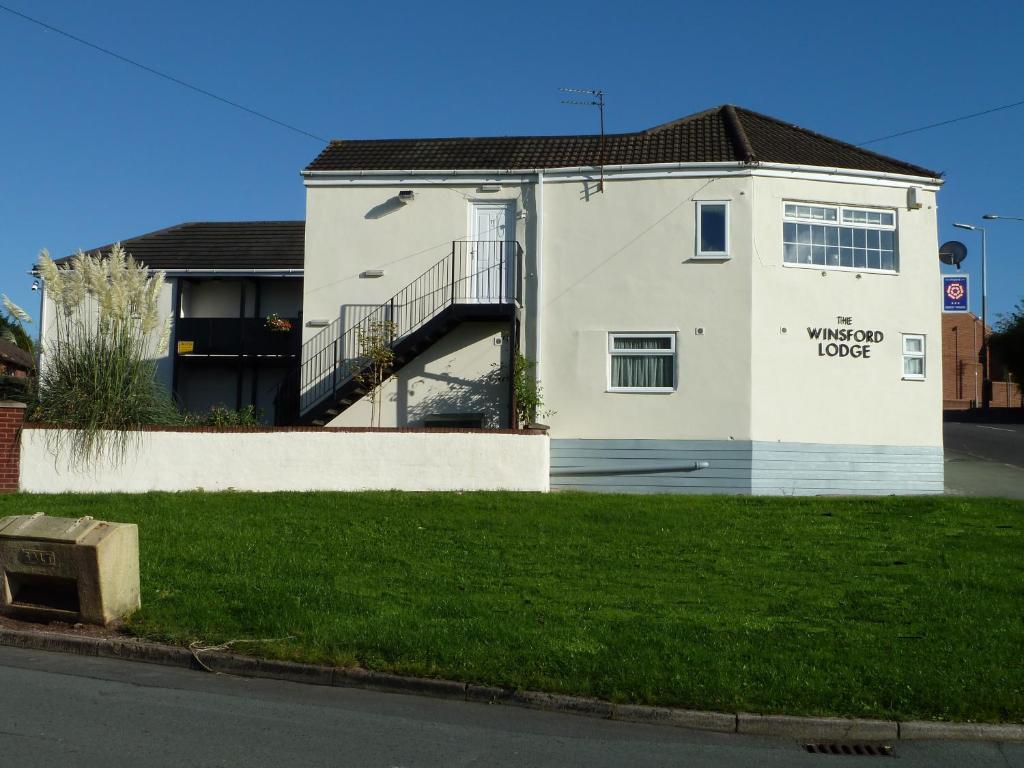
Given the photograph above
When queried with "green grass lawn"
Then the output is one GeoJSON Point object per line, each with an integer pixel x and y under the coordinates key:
{"type": "Point", "coordinates": [890, 607]}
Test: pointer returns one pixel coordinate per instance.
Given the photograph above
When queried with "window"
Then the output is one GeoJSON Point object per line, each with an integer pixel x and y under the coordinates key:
{"type": "Point", "coordinates": [913, 356]}
{"type": "Point", "coordinates": [713, 229]}
{"type": "Point", "coordinates": [839, 237]}
{"type": "Point", "coordinates": [641, 362]}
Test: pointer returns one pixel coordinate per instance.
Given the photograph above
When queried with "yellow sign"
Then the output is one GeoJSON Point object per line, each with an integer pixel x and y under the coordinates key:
{"type": "Point", "coordinates": [185, 347]}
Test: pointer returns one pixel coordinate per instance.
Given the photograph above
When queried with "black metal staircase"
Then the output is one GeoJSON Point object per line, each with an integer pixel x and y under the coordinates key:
{"type": "Point", "coordinates": [477, 280]}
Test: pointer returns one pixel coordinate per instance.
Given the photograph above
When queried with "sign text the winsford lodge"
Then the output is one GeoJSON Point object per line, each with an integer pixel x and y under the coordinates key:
{"type": "Point", "coordinates": [845, 340]}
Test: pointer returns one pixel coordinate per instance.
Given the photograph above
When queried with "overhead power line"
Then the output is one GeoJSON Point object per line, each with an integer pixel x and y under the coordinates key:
{"type": "Point", "coordinates": [163, 75]}
{"type": "Point", "coordinates": [944, 122]}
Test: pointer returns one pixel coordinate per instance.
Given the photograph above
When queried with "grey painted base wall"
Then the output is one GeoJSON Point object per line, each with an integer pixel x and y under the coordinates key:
{"type": "Point", "coordinates": [744, 467]}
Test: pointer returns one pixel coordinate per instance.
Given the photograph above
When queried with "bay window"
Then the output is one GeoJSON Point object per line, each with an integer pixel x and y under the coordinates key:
{"type": "Point", "coordinates": [840, 237]}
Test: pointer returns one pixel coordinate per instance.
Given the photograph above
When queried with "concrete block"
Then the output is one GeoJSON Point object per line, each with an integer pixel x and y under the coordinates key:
{"type": "Point", "coordinates": [65, 569]}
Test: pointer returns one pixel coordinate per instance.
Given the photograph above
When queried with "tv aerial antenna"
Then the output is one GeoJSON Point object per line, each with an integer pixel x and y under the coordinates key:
{"type": "Point", "coordinates": [596, 100]}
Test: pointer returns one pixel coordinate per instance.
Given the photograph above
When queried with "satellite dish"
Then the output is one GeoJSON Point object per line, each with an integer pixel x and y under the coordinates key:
{"type": "Point", "coordinates": [953, 253]}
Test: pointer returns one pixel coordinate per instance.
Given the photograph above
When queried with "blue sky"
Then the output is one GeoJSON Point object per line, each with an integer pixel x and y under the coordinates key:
{"type": "Point", "coordinates": [95, 150]}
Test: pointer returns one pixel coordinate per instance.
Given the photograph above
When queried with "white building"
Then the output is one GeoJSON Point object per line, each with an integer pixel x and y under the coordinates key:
{"type": "Point", "coordinates": [223, 280]}
{"type": "Point", "coordinates": [741, 305]}
{"type": "Point", "coordinates": [722, 304]}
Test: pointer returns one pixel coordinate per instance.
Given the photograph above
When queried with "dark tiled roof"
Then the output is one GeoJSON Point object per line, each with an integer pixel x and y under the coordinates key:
{"type": "Point", "coordinates": [219, 245]}
{"type": "Point", "coordinates": [15, 356]}
{"type": "Point", "coordinates": [721, 134]}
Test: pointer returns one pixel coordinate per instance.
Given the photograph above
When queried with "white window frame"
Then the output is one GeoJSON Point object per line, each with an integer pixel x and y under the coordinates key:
{"type": "Point", "coordinates": [698, 253]}
{"type": "Point", "coordinates": [922, 355]}
{"type": "Point", "coordinates": [839, 222]}
{"type": "Point", "coordinates": [612, 352]}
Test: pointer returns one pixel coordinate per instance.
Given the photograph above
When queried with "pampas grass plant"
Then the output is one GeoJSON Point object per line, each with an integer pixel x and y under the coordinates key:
{"type": "Point", "coordinates": [99, 374]}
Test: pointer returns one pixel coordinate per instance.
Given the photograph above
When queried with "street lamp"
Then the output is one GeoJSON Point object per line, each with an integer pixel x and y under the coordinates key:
{"type": "Point", "coordinates": [986, 385]}
{"type": "Point", "coordinates": [991, 216]}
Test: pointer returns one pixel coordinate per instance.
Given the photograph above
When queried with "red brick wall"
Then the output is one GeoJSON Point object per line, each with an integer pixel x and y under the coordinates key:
{"type": "Point", "coordinates": [12, 415]}
{"type": "Point", "coordinates": [961, 366]}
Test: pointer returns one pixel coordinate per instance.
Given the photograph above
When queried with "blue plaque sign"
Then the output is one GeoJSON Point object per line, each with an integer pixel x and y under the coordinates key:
{"type": "Point", "coordinates": [954, 293]}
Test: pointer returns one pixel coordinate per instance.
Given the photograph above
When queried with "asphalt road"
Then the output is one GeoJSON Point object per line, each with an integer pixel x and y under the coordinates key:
{"type": "Point", "coordinates": [984, 459]}
{"type": "Point", "coordinates": [80, 711]}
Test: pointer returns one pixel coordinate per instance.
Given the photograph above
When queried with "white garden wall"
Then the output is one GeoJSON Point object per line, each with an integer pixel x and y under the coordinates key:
{"type": "Point", "coordinates": [296, 460]}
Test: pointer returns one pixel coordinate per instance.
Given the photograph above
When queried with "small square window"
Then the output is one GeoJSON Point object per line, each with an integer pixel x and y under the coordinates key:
{"type": "Point", "coordinates": [913, 356]}
{"type": "Point", "coordinates": [713, 229]}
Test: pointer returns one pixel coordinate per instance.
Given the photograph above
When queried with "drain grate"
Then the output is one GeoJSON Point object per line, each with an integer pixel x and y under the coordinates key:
{"type": "Point", "coordinates": [832, 748]}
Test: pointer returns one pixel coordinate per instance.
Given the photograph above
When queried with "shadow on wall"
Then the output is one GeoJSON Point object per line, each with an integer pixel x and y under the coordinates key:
{"type": "Point", "coordinates": [390, 205]}
{"type": "Point", "coordinates": [452, 395]}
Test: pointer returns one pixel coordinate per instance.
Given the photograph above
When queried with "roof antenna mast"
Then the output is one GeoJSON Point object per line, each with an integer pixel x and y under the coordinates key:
{"type": "Point", "coordinates": [596, 101]}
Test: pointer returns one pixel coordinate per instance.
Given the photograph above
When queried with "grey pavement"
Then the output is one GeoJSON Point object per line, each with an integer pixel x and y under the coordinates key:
{"type": "Point", "coordinates": [82, 711]}
{"type": "Point", "coordinates": [984, 459]}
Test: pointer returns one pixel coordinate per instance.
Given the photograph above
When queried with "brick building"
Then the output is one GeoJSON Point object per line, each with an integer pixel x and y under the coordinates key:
{"type": "Point", "coordinates": [961, 367]}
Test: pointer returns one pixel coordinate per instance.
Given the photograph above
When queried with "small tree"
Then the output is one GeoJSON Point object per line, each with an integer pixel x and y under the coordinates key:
{"type": "Point", "coordinates": [98, 376]}
{"type": "Point", "coordinates": [1008, 342]}
{"type": "Point", "coordinates": [376, 359]}
{"type": "Point", "coordinates": [529, 394]}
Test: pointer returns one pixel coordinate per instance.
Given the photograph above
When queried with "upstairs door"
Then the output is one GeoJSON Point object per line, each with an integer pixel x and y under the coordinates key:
{"type": "Point", "coordinates": [491, 258]}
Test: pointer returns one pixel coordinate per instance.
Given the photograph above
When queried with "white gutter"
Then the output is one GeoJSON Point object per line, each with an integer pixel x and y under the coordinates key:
{"type": "Point", "coordinates": [907, 178]}
{"type": "Point", "coordinates": [696, 169]}
{"type": "Point", "coordinates": [511, 171]}
{"type": "Point", "coordinates": [230, 272]}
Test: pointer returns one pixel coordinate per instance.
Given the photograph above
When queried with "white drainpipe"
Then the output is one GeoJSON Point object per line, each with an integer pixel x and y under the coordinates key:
{"type": "Point", "coordinates": [538, 259]}
{"type": "Point", "coordinates": [42, 324]}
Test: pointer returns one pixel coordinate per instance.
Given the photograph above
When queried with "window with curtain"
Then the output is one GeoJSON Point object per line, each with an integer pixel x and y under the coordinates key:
{"type": "Point", "coordinates": [642, 362]}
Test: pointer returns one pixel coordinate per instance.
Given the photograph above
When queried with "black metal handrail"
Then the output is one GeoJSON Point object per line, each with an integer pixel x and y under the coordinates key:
{"type": "Point", "coordinates": [475, 272]}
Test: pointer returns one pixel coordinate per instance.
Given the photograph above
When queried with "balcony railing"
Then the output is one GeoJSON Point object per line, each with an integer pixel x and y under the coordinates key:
{"type": "Point", "coordinates": [247, 336]}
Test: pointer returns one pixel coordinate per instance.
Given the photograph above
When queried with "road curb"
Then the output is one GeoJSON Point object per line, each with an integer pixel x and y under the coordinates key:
{"type": "Point", "coordinates": [811, 728]}
{"type": "Point", "coordinates": [922, 730]}
{"type": "Point", "coordinates": [818, 728]}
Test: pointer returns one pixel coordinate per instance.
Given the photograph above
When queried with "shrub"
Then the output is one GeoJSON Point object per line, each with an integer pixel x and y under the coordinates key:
{"type": "Point", "coordinates": [222, 416]}
{"type": "Point", "coordinates": [99, 373]}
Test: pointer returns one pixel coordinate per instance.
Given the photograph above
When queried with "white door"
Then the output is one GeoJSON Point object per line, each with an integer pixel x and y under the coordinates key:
{"type": "Point", "coordinates": [491, 255]}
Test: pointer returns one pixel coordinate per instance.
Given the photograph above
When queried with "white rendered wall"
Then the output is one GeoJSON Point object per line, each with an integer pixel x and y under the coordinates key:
{"type": "Point", "coordinates": [214, 297]}
{"type": "Point", "coordinates": [464, 372]}
{"type": "Point", "coordinates": [221, 297]}
{"type": "Point", "coordinates": [799, 396]}
{"type": "Point", "coordinates": [623, 260]}
{"type": "Point", "coordinates": [297, 461]}
{"type": "Point", "coordinates": [352, 229]}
